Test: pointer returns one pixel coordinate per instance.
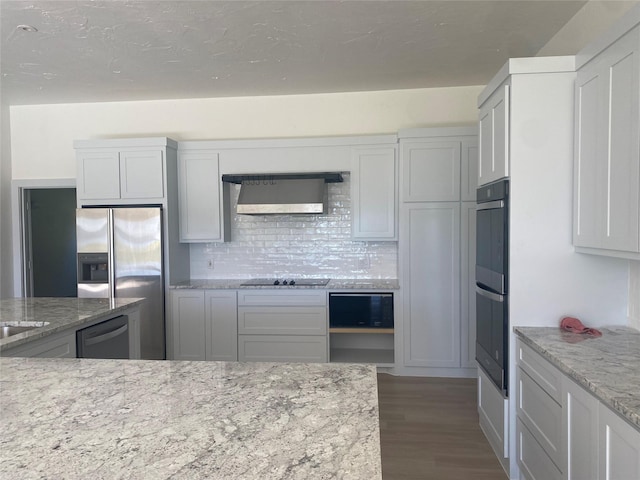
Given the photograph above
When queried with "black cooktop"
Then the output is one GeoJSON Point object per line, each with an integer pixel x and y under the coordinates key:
{"type": "Point", "coordinates": [286, 282]}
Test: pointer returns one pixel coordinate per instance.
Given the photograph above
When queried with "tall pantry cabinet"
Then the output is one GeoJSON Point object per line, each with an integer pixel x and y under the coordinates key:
{"type": "Point", "coordinates": [438, 171]}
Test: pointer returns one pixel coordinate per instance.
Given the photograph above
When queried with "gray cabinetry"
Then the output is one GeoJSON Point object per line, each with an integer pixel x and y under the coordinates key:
{"type": "Point", "coordinates": [203, 325]}
{"type": "Point", "coordinates": [203, 197]}
{"type": "Point", "coordinates": [437, 249]}
{"type": "Point", "coordinates": [124, 170]}
{"type": "Point", "coordinates": [563, 431]}
{"type": "Point", "coordinates": [374, 181]}
{"type": "Point", "coordinates": [607, 150]}
{"type": "Point", "coordinates": [276, 326]}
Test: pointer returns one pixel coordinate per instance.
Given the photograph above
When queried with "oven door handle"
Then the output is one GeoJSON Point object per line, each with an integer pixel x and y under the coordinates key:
{"type": "Point", "coordinates": [490, 295]}
{"type": "Point", "coordinates": [490, 205]}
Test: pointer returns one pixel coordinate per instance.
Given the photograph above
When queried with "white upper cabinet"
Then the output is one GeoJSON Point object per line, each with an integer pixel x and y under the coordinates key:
{"type": "Point", "coordinates": [494, 137]}
{"type": "Point", "coordinates": [431, 170]}
{"type": "Point", "coordinates": [202, 198]}
{"type": "Point", "coordinates": [373, 192]}
{"type": "Point", "coordinates": [607, 150]}
{"type": "Point", "coordinates": [122, 171]}
{"type": "Point", "coordinates": [141, 174]}
{"type": "Point", "coordinates": [469, 170]}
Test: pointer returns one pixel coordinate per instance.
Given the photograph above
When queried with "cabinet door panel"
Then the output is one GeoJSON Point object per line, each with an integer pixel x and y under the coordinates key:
{"type": "Point", "coordinates": [619, 447]}
{"type": "Point", "coordinates": [282, 320]}
{"type": "Point", "coordinates": [580, 426]}
{"type": "Point", "coordinates": [373, 193]}
{"type": "Point", "coordinates": [469, 174]}
{"type": "Point", "coordinates": [501, 134]}
{"type": "Point", "coordinates": [221, 325]}
{"type": "Point", "coordinates": [141, 174]}
{"type": "Point", "coordinates": [188, 322]}
{"type": "Point", "coordinates": [622, 215]}
{"type": "Point", "coordinates": [541, 414]}
{"type": "Point", "coordinates": [485, 161]}
{"type": "Point", "coordinates": [586, 166]}
{"type": "Point", "coordinates": [430, 171]}
{"type": "Point", "coordinates": [432, 274]}
{"type": "Point", "coordinates": [200, 202]}
{"type": "Point", "coordinates": [282, 348]}
{"type": "Point", "coordinates": [532, 459]}
{"type": "Point", "coordinates": [98, 175]}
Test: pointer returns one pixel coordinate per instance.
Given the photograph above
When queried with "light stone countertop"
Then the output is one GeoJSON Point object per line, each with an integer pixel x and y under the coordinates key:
{"type": "Point", "coordinates": [61, 313]}
{"type": "Point", "coordinates": [334, 284]}
{"type": "Point", "coordinates": [607, 366]}
{"type": "Point", "coordinates": [140, 419]}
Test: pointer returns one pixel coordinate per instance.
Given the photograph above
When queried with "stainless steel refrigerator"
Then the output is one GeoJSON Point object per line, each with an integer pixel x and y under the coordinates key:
{"type": "Point", "coordinates": [120, 255]}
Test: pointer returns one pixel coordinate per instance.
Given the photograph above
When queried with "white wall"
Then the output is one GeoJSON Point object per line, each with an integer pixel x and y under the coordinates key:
{"type": "Point", "coordinates": [42, 135]}
{"type": "Point", "coordinates": [6, 283]}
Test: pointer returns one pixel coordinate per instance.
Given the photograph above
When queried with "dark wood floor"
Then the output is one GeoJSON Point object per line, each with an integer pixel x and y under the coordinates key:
{"type": "Point", "coordinates": [429, 430]}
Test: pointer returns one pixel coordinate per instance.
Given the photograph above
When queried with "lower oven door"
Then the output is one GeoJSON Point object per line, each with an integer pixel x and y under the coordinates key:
{"type": "Point", "coordinates": [492, 336]}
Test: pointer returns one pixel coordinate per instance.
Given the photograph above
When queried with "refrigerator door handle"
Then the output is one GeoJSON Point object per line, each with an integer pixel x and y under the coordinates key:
{"type": "Point", "coordinates": [112, 252]}
{"type": "Point", "coordinates": [490, 295]}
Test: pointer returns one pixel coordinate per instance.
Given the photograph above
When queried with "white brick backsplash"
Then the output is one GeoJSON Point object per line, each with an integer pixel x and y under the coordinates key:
{"type": "Point", "coordinates": [296, 245]}
{"type": "Point", "coordinates": [634, 294]}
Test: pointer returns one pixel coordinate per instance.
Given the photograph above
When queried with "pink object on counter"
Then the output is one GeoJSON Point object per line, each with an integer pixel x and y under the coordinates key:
{"type": "Point", "coordinates": [574, 325]}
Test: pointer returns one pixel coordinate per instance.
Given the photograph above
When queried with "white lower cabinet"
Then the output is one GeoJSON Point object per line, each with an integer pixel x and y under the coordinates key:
{"type": "Point", "coordinates": [62, 345]}
{"type": "Point", "coordinates": [282, 326]}
{"type": "Point", "coordinates": [579, 438]}
{"type": "Point", "coordinates": [282, 348]}
{"type": "Point", "coordinates": [493, 412]}
{"type": "Point", "coordinates": [204, 325]}
{"type": "Point", "coordinates": [580, 432]}
{"type": "Point", "coordinates": [619, 447]}
{"type": "Point", "coordinates": [221, 326]}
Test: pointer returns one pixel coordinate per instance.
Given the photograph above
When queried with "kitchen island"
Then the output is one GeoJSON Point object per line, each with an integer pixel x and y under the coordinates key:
{"type": "Point", "coordinates": [103, 419]}
{"type": "Point", "coordinates": [58, 315]}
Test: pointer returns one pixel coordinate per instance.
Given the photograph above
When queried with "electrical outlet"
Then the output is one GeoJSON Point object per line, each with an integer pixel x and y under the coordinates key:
{"type": "Point", "coordinates": [210, 264]}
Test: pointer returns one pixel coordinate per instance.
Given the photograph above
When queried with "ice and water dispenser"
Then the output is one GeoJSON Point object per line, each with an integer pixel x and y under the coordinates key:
{"type": "Point", "coordinates": [93, 268]}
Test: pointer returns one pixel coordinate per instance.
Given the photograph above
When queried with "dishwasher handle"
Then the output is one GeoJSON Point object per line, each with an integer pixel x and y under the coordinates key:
{"type": "Point", "coordinates": [106, 336]}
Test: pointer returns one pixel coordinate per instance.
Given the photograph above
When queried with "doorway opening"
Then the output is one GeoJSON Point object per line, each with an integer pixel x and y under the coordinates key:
{"type": "Point", "coordinates": [49, 242]}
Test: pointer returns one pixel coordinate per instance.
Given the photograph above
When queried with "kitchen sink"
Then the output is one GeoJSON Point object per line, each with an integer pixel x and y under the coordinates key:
{"type": "Point", "coordinates": [13, 328]}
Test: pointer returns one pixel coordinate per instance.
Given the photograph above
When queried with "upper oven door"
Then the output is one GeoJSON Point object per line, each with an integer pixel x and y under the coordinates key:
{"type": "Point", "coordinates": [492, 242]}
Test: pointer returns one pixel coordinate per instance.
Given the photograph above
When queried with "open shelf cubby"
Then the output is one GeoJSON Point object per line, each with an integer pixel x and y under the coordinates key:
{"type": "Point", "coordinates": [362, 345]}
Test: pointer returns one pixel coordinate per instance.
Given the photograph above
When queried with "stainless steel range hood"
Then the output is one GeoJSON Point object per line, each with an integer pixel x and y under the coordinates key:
{"type": "Point", "coordinates": [282, 193]}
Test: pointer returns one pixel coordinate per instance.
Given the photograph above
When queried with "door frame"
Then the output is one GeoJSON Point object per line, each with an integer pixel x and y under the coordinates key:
{"type": "Point", "coordinates": [19, 226]}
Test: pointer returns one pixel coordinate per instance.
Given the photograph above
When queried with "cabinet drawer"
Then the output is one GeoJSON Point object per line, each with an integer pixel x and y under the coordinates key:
{"type": "Point", "coordinates": [541, 371]}
{"type": "Point", "coordinates": [282, 320]}
{"type": "Point", "coordinates": [282, 348]}
{"type": "Point", "coordinates": [275, 297]}
{"type": "Point", "coordinates": [534, 463]}
{"type": "Point", "coordinates": [541, 414]}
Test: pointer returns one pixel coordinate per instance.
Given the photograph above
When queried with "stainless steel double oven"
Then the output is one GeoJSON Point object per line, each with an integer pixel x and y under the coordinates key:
{"type": "Point", "coordinates": [492, 282]}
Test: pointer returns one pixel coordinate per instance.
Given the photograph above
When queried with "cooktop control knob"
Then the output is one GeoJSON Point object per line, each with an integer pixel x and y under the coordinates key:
{"type": "Point", "coordinates": [277, 282]}
{"type": "Point", "coordinates": [284, 282]}
{"type": "Point", "coordinates": [292, 282]}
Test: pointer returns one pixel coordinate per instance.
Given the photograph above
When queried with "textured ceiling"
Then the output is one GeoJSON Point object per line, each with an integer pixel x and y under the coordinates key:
{"type": "Point", "coordinates": [137, 50]}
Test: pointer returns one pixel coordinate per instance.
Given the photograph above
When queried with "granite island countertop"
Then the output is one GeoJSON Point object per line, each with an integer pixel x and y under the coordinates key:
{"type": "Point", "coordinates": [137, 419]}
{"type": "Point", "coordinates": [608, 366]}
{"type": "Point", "coordinates": [334, 284]}
{"type": "Point", "coordinates": [60, 313]}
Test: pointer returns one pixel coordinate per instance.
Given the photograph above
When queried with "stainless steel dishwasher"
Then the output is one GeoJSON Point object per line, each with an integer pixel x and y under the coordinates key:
{"type": "Point", "coordinates": [108, 339]}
